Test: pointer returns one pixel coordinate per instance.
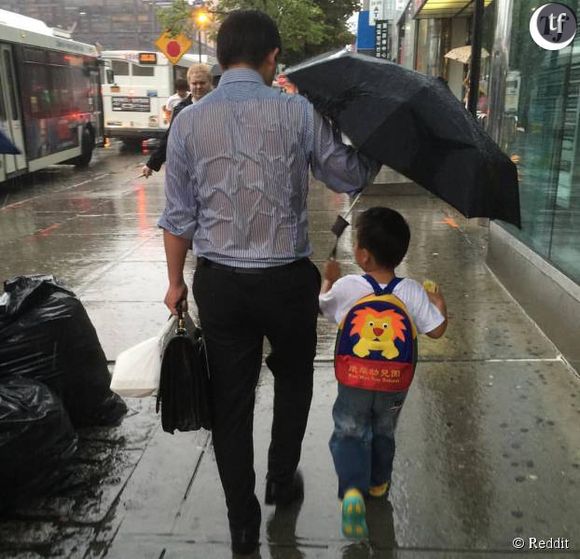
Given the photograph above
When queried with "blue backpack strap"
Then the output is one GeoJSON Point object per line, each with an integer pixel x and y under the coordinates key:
{"type": "Point", "coordinates": [374, 284]}
{"type": "Point", "coordinates": [378, 289]}
{"type": "Point", "coordinates": [392, 284]}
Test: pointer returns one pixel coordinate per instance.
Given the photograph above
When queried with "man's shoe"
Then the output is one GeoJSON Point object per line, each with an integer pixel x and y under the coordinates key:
{"type": "Point", "coordinates": [354, 521]}
{"type": "Point", "coordinates": [285, 494]}
{"type": "Point", "coordinates": [245, 542]}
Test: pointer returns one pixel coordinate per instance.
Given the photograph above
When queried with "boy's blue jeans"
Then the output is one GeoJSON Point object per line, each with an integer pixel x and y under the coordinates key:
{"type": "Point", "coordinates": [363, 441]}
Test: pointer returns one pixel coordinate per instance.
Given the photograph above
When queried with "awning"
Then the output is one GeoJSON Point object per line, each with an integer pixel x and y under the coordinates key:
{"type": "Point", "coordinates": [430, 9]}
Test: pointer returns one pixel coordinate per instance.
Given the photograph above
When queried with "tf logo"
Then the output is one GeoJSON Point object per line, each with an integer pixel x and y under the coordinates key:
{"type": "Point", "coordinates": [553, 26]}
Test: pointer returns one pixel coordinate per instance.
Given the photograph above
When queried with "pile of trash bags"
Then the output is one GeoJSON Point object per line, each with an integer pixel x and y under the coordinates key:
{"type": "Point", "coordinates": [53, 378]}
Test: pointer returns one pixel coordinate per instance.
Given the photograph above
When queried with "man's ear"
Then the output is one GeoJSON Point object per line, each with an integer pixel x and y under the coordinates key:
{"type": "Point", "coordinates": [272, 56]}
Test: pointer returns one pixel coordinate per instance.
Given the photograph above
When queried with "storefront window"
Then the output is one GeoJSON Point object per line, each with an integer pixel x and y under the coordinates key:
{"type": "Point", "coordinates": [407, 38]}
{"type": "Point", "coordinates": [540, 130]}
{"type": "Point", "coordinates": [488, 34]}
{"type": "Point", "coordinates": [433, 41]}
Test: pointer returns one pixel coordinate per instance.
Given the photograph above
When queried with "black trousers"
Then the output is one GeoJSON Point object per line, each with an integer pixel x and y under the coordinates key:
{"type": "Point", "coordinates": [236, 311]}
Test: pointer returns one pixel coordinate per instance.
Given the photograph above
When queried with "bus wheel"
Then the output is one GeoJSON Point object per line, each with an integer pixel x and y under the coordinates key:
{"type": "Point", "coordinates": [87, 146]}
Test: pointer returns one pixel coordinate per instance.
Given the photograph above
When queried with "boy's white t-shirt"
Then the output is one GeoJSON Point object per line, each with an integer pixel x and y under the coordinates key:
{"type": "Point", "coordinates": [174, 100]}
{"type": "Point", "coordinates": [336, 303]}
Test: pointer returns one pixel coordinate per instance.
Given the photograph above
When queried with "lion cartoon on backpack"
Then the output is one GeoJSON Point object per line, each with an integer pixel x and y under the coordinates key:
{"type": "Point", "coordinates": [378, 332]}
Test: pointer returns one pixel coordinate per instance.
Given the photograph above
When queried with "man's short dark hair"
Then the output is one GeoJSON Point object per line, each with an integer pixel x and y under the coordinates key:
{"type": "Point", "coordinates": [181, 85]}
{"type": "Point", "coordinates": [385, 234]}
{"type": "Point", "coordinates": [246, 37]}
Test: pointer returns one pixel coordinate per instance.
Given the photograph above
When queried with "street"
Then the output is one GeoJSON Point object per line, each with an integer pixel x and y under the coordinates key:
{"type": "Point", "coordinates": [488, 441]}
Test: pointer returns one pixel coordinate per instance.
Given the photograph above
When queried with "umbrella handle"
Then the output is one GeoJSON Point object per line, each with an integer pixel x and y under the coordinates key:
{"type": "Point", "coordinates": [332, 255]}
{"type": "Point", "coordinates": [356, 199]}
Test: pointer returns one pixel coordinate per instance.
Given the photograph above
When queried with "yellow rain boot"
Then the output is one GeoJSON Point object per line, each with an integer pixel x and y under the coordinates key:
{"type": "Point", "coordinates": [379, 490]}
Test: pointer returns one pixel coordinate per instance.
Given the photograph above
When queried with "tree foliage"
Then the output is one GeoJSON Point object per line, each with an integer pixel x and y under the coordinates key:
{"type": "Point", "coordinates": [336, 16]}
{"type": "Point", "coordinates": [301, 22]}
{"type": "Point", "coordinates": [177, 19]}
{"type": "Point", "coordinates": [307, 27]}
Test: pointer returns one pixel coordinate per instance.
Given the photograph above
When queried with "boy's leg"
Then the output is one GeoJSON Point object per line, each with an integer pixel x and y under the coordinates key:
{"type": "Point", "coordinates": [386, 409]}
{"type": "Point", "coordinates": [350, 443]}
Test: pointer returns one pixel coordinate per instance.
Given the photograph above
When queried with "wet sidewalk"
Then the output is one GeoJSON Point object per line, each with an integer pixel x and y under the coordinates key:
{"type": "Point", "coordinates": [488, 440]}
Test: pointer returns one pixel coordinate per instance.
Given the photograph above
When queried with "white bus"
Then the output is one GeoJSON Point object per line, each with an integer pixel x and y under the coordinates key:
{"type": "Point", "coordinates": [142, 82]}
{"type": "Point", "coordinates": [50, 101]}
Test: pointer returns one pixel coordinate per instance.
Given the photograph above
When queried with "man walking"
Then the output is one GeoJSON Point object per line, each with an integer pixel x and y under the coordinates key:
{"type": "Point", "coordinates": [199, 82]}
{"type": "Point", "coordinates": [237, 183]}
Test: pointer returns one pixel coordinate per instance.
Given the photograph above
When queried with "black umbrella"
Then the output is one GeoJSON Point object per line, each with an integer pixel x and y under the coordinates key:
{"type": "Point", "coordinates": [6, 146]}
{"type": "Point", "coordinates": [415, 125]}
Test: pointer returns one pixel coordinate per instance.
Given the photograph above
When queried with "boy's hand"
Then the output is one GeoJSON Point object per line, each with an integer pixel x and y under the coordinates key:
{"type": "Point", "coordinates": [332, 271]}
{"type": "Point", "coordinates": [331, 275]}
{"type": "Point", "coordinates": [438, 300]}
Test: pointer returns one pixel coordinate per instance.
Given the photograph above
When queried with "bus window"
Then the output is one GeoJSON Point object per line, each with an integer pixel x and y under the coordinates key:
{"type": "Point", "coordinates": [179, 73]}
{"type": "Point", "coordinates": [61, 90]}
{"type": "Point", "coordinates": [35, 90]}
{"type": "Point", "coordinates": [11, 85]}
{"type": "Point", "coordinates": [120, 68]}
{"type": "Point", "coordinates": [148, 71]}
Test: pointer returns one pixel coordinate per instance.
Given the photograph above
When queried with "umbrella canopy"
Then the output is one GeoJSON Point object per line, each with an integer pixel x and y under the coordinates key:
{"type": "Point", "coordinates": [414, 124]}
{"type": "Point", "coordinates": [6, 146]}
{"type": "Point", "coordinates": [463, 54]}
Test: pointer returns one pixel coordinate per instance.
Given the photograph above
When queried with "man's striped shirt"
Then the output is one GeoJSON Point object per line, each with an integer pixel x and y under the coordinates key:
{"type": "Point", "coordinates": [237, 172]}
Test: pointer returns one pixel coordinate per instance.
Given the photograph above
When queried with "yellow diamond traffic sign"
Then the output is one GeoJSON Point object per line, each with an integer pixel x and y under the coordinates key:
{"type": "Point", "coordinates": [173, 47]}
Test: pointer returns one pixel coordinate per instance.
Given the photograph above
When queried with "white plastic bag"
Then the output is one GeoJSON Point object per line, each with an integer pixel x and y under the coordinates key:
{"type": "Point", "coordinates": [137, 369]}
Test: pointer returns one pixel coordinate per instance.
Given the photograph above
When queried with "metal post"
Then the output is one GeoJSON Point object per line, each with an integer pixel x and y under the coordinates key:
{"type": "Point", "coordinates": [199, 43]}
{"type": "Point", "coordinates": [475, 66]}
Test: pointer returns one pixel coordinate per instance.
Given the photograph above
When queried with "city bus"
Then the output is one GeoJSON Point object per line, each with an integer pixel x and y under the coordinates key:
{"type": "Point", "coordinates": [134, 97]}
{"type": "Point", "coordinates": [50, 98]}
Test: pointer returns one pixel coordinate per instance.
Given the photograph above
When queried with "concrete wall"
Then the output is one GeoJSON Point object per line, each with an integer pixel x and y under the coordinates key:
{"type": "Point", "coordinates": [550, 298]}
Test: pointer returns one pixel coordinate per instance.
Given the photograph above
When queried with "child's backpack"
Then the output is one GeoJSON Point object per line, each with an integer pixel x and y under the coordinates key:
{"type": "Point", "coordinates": [376, 345]}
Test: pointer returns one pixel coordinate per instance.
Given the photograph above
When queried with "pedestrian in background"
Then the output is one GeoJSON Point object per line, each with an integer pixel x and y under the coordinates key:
{"type": "Point", "coordinates": [199, 80]}
{"type": "Point", "coordinates": [181, 93]}
{"type": "Point", "coordinates": [236, 184]}
{"type": "Point", "coordinates": [372, 388]}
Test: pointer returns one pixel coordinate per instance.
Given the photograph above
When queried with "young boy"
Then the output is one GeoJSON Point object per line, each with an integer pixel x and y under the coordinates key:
{"type": "Point", "coordinates": [181, 92]}
{"type": "Point", "coordinates": [367, 407]}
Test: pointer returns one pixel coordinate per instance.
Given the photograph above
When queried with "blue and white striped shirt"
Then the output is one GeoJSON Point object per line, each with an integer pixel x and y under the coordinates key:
{"type": "Point", "coordinates": [237, 172]}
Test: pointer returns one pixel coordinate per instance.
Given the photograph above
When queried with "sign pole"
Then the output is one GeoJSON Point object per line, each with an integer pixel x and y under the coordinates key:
{"type": "Point", "coordinates": [475, 62]}
{"type": "Point", "coordinates": [199, 43]}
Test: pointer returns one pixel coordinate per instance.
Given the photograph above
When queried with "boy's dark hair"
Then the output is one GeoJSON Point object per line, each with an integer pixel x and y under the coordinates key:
{"type": "Point", "coordinates": [247, 36]}
{"type": "Point", "coordinates": [385, 234]}
{"type": "Point", "coordinates": [181, 85]}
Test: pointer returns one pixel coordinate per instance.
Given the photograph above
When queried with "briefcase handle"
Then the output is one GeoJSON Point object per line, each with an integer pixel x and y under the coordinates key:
{"type": "Point", "coordinates": [181, 329]}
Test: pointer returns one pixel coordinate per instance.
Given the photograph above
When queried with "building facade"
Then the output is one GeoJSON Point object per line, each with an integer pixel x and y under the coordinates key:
{"type": "Point", "coordinates": [532, 102]}
{"type": "Point", "coordinates": [535, 118]}
{"type": "Point", "coordinates": [112, 24]}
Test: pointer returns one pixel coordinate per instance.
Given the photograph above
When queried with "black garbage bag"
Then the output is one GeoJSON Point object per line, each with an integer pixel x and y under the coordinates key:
{"type": "Point", "coordinates": [184, 395]}
{"type": "Point", "coordinates": [46, 335]}
{"type": "Point", "coordinates": [36, 439]}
